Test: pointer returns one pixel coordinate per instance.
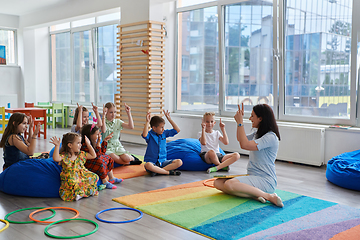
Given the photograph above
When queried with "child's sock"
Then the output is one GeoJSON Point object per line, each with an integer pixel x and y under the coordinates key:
{"type": "Point", "coordinates": [226, 169]}
{"type": "Point", "coordinates": [136, 161]}
{"type": "Point", "coordinates": [109, 185]}
{"type": "Point", "coordinates": [212, 169]}
{"type": "Point", "coordinates": [115, 180]}
{"type": "Point", "coordinates": [175, 172]}
{"type": "Point", "coordinates": [101, 187]}
{"type": "Point", "coordinates": [78, 197]}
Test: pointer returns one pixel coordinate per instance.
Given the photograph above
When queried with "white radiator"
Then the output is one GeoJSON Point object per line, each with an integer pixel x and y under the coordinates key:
{"type": "Point", "coordinates": [302, 144]}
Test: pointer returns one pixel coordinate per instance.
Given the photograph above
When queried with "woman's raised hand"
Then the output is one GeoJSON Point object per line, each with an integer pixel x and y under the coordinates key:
{"type": "Point", "coordinates": [239, 114]}
{"type": "Point", "coordinates": [55, 141]}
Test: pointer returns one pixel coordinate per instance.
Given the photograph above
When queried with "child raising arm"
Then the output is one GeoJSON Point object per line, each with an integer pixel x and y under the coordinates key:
{"type": "Point", "coordinates": [76, 181]}
{"type": "Point", "coordinates": [155, 156]}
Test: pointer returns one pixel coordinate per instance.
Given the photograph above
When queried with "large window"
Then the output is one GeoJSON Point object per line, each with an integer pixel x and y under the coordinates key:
{"type": "Point", "coordinates": [84, 61]}
{"type": "Point", "coordinates": [60, 67]}
{"type": "Point", "coordinates": [8, 39]}
{"type": "Point", "coordinates": [199, 66]}
{"type": "Point", "coordinates": [248, 54]}
{"type": "Point", "coordinates": [298, 61]}
{"type": "Point", "coordinates": [317, 66]}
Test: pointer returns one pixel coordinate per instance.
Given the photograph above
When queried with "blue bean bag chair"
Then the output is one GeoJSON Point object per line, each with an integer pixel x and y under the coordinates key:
{"type": "Point", "coordinates": [188, 151]}
{"type": "Point", "coordinates": [344, 170]}
{"type": "Point", "coordinates": [32, 178]}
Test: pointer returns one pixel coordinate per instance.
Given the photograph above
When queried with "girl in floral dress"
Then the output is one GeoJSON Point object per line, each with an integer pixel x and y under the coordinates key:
{"type": "Point", "coordinates": [103, 164]}
{"type": "Point", "coordinates": [76, 181]}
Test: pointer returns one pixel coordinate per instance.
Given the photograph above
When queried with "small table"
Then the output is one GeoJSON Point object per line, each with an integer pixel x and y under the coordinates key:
{"type": "Point", "coordinates": [65, 111]}
{"type": "Point", "coordinates": [34, 112]}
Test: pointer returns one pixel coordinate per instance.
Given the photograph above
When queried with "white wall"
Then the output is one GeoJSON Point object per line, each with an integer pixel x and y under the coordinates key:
{"type": "Point", "coordinates": [9, 21]}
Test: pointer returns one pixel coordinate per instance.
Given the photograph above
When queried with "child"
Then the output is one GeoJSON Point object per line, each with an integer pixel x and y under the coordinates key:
{"type": "Point", "coordinates": [16, 148]}
{"type": "Point", "coordinates": [76, 181]}
{"type": "Point", "coordinates": [103, 164]}
{"type": "Point", "coordinates": [155, 156]}
{"type": "Point", "coordinates": [81, 117]}
{"type": "Point", "coordinates": [114, 126]}
{"type": "Point", "coordinates": [209, 140]}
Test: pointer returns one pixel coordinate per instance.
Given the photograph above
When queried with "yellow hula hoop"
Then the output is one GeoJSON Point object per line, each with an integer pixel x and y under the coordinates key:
{"type": "Point", "coordinates": [6, 225]}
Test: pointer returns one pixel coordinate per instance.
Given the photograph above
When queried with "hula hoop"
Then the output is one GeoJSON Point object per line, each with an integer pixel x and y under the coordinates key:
{"type": "Point", "coordinates": [41, 221]}
{"type": "Point", "coordinates": [208, 180]}
{"type": "Point", "coordinates": [20, 210]}
{"type": "Point", "coordinates": [127, 221]}
{"type": "Point", "coordinates": [6, 225]}
{"type": "Point", "coordinates": [71, 219]}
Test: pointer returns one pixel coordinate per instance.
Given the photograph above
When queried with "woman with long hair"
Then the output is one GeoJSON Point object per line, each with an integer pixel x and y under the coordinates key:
{"type": "Point", "coordinates": [263, 144]}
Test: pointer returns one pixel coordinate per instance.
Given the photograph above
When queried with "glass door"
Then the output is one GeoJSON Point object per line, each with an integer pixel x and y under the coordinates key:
{"type": "Point", "coordinates": [83, 67]}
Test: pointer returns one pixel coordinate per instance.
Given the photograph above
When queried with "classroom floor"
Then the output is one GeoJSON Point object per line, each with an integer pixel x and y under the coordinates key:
{"type": "Point", "coordinates": [297, 178]}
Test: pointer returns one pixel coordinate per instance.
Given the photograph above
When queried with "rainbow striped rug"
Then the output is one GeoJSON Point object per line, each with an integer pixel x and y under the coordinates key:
{"type": "Point", "coordinates": [211, 213]}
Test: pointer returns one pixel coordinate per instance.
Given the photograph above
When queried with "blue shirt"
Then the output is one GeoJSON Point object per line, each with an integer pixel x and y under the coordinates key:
{"type": "Point", "coordinates": [156, 145]}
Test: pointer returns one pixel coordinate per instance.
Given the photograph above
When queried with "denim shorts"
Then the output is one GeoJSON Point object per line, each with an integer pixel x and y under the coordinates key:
{"type": "Point", "coordinates": [164, 164]}
{"type": "Point", "coordinates": [219, 155]}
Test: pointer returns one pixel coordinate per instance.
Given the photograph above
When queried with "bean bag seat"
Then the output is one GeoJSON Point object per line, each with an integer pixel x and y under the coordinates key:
{"type": "Point", "coordinates": [32, 178]}
{"type": "Point", "coordinates": [188, 150]}
{"type": "Point", "coordinates": [344, 170]}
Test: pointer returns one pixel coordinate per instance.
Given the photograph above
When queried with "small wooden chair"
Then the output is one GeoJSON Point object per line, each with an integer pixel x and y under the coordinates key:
{"type": "Point", "coordinates": [3, 120]}
{"type": "Point", "coordinates": [57, 111]}
{"type": "Point", "coordinates": [27, 105]}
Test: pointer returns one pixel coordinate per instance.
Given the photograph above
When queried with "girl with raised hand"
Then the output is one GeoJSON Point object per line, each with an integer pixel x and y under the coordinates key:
{"type": "Point", "coordinates": [103, 164]}
{"type": "Point", "coordinates": [112, 125]}
{"type": "Point", "coordinates": [81, 117]}
{"type": "Point", "coordinates": [76, 181]}
{"type": "Point", "coordinates": [16, 147]}
{"type": "Point", "coordinates": [263, 144]}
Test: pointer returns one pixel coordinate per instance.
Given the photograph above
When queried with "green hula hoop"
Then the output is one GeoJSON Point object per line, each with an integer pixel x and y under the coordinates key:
{"type": "Point", "coordinates": [67, 220]}
{"type": "Point", "coordinates": [20, 210]}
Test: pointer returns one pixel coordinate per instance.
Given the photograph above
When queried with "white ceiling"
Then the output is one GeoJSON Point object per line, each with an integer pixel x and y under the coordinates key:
{"type": "Point", "coordinates": [22, 7]}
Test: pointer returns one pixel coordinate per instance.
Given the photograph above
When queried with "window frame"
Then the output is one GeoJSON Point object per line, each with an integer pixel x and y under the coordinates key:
{"type": "Point", "coordinates": [93, 28]}
{"type": "Point", "coordinates": [279, 58]}
{"type": "Point", "coordinates": [16, 63]}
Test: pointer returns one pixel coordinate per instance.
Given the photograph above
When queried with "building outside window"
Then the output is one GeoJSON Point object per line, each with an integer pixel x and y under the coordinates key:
{"type": "Point", "coordinates": [84, 65]}
{"type": "Point", "coordinates": [312, 72]}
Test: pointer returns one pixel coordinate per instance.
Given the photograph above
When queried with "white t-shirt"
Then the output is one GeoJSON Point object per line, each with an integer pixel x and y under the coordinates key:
{"type": "Point", "coordinates": [212, 141]}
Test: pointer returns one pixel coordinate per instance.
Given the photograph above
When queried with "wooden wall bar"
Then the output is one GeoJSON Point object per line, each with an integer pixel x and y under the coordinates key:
{"type": "Point", "coordinates": [141, 66]}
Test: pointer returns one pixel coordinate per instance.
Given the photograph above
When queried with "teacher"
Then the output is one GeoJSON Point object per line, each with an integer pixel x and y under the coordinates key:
{"type": "Point", "coordinates": [263, 144]}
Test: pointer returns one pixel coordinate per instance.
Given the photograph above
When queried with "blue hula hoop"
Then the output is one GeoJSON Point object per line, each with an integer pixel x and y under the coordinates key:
{"type": "Point", "coordinates": [127, 221]}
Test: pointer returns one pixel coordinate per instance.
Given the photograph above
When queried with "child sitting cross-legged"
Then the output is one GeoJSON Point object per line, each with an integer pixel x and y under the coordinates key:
{"type": "Point", "coordinates": [155, 156]}
{"type": "Point", "coordinates": [209, 140]}
{"type": "Point", "coordinates": [103, 164]}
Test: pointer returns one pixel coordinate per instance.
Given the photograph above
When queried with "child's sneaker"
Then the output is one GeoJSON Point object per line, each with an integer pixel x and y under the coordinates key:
{"type": "Point", "coordinates": [109, 185]}
{"type": "Point", "coordinates": [212, 169]}
{"type": "Point", "coordinates": [226, 169]}
{"type": "Point", "coordinates": [136, 161]}
{"type": "Point", "coordinates": [101, 187]}
{"type": "Point", "coordinates": [153, 174]}
{"type": "Point", "coordinates": [175, 172]}
{"type": "Point", "coordinates": [116, 180]}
